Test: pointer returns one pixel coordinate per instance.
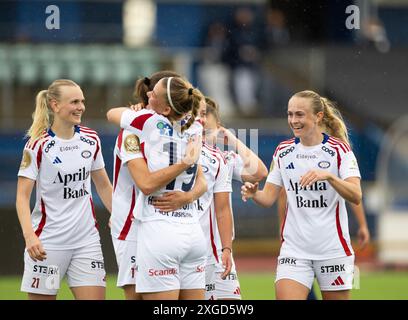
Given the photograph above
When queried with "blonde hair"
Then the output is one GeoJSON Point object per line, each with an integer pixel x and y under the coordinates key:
{"type": "Point", "coordinates": [43, 116]}
{"type": "Point", "coordinates": [332, 121]}
{"type": "Point", "coordinates": [184, 99]}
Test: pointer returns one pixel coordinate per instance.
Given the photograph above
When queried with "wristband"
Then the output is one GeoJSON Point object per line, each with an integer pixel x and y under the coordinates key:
{"type": "Point", "coordinates": [222, 250]}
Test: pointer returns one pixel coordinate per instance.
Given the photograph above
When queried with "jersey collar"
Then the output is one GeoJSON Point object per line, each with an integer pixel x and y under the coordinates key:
{"type": "Point", "coordinates": [52, 134]}
{"type": "Point", "coordinates": [325, 138]}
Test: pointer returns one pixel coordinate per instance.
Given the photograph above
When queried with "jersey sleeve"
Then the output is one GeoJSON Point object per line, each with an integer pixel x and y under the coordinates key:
{"type": "Point", "coordinates": [223, 179]}
{"type": "Point", "coordinates": [29, 166]}
{"type": "Point", "coordinates": [130, 147]}
{"type": "Point", "coordinates": [349, 166]}
{"type": "Point", "coordinates": [275, 175]}
{"type": "Point", "coordinates": [98, 162]}
{"type": "Point", "coordinates": [134, 121]}
{"type": "Point", "coordinates": [238, 167]}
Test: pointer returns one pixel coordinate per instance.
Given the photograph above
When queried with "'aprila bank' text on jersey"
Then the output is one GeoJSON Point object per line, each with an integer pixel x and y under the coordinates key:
{"type": "Point", "coordinates": [63, 216]}
{"type": "Point", "coordinates": [218, 179]}
{"type": "Point", "coordinates": [316, 222]}
{"type": "Point", "coordinates": [163, 144]}
{"type": "Point", "coordinates": [125, 191]}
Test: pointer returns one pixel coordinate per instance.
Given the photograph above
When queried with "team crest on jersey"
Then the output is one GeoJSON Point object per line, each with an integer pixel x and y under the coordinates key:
{"type": "Point", "coordinates": [165, 129]}
{"type": "Point", "coordinates": [324, 164]}
{"type": "Point", "coordinates": [132, 144]}
{"type": "Point", "coordinates": [26, 161]}
{"type": "Point", "coordinates": [86, 154]}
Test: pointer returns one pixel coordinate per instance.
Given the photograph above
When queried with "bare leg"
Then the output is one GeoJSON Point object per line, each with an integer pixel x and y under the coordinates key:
{"type": "Point", "coordinates": [164, 295]}
{"type": "Point", "coordinates": [35, 296]}
{"type": "Point", "coordinates": [336, 295]}
{"type": "Point", "coordinates": [192, 294]}
{"type": "Point", "coordinates": [130, 293]}
{"type": "Point", "coordinates": [287, 289]}
{"type": "Point", "coordinates": [89, 293]}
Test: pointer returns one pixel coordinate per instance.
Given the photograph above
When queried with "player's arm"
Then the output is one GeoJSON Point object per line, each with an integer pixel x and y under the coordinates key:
{"type": "Point", "coordinates": [223, 215]}
{"type": "Point", "coordinates": [349, 188]}
{"type": "Point", "coordinates": [103, 187]}
{"type": "Point", "coordinates": [33, 243]}
{"type": "Point", "coordinates": [265, 198]}
{"type": "Point", "coordinates": [174, 200]}
{"type": "Point", "coordinates": [114, 115]}
{"type": "Point", "coordinates": [149, 182]}
{"type": "Point", "coordinates": [254, 169]}
{"type": "Point", "coordinates": [282, 200]}
{"type": "Point", "coordinates": [363, 234]}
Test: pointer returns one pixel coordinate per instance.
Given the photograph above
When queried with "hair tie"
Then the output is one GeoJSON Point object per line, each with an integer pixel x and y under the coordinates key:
{"type": "Point", "coordinates": [146, 81]}
{"type": "Point", "coordinates": [190, 91]}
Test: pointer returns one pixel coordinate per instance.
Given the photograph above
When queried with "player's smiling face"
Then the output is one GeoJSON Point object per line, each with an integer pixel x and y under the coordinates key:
{"type": "Point", "coordinates": [157, 99]}
{"type": "Point", "coordinates": [71, 106]}
{"type": "Point", "coordinates": [301, 119]}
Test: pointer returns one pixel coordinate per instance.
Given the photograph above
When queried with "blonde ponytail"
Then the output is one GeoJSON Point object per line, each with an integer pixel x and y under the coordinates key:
{"type": "Point", "coordinates": [43, 116]}
{"type": "Point", "coordinates": [332, 121]}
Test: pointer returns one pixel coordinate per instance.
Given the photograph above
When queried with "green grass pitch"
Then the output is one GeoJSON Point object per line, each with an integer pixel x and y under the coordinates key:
{"type": "Point", "coordinates": [254, 286]}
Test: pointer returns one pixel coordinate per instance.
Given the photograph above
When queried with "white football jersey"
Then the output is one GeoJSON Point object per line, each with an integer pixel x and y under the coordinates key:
{"type": "Point", "coordinates": [162, 145]}
{"type": "Point", "coordinates": [125, 191]}
{"type": "Point", "coordinates": [63, 216]}
{"type": "Point", "coordinates": [218, 178]}
{"type": "Point", "coordinates": [316, 222]}
{"type": "Point", "coordinates": [236, 166]}
{"type": "Point", "coordinates": [235, 163]}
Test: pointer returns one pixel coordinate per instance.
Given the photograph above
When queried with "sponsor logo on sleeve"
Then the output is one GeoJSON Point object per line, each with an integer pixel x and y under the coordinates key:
{"type": "Point", "coordinates": [49, 146]}
{"type": "Point", "coordinates": [286, 152]}
{"type": "Point", "coordinates": [165, 129]}
{"type": "Point", "coordinates": [132, 144]}
{"type": "Point", "coordinates": [26, 161]}
{"type": "Point", "coordinates": [354, 165]}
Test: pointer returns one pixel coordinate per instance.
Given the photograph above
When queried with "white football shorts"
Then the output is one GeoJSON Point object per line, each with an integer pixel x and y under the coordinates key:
{"type": "Point", "coordinates": [170, 256]}
{"type": "Point", "coordinates": [332, 275]}
{"type": "Point", "coordinates": [125, 251]}
{"type": "Point", "coordinates": [83, 267]}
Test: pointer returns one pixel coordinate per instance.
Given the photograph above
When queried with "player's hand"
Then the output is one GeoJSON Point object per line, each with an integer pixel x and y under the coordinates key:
{"type": "Point", "coordinates": [34, 248]}
{"type": "Point", "coordinates": [172, 201]}
{"type": "Point", "coordinates": [248, 190]}
{"type": "Point", "coordinates": [226, 259]}
{"type": "Point", "coordinates": [225, 137]}
{"type": "Point", "coordinates": [363, 236]}
{"type": "Point", "coordinates": [136, 107]}
{"type": "Point", "coordinates": [193, 150]}
{"type": "Point", "coordinates": [312, 176]}
{"type": "Point", "coordinates": [110, 223]}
